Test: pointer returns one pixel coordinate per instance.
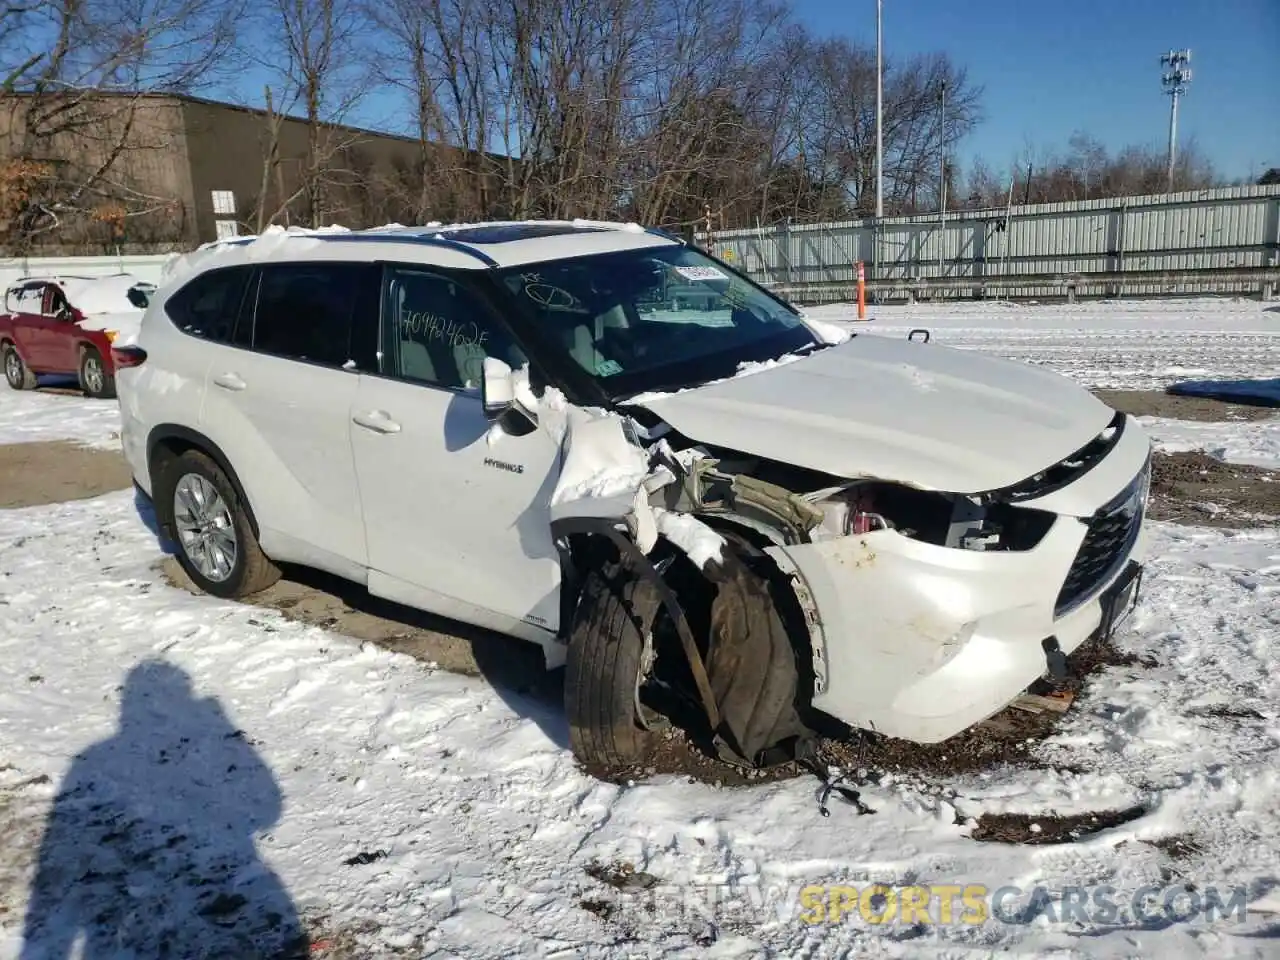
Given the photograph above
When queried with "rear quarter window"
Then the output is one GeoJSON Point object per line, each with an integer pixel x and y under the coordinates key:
{"type": "Point", "coordinates": [207, 307]}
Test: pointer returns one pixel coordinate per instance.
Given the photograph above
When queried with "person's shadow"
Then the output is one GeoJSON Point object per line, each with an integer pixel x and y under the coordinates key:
{"type": "Point", "coordinates": [149, 850]}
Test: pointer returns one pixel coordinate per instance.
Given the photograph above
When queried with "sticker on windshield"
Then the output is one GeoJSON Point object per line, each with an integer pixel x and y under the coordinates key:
{"type": "Point", "coordinates": [607, 368]}
{"type": "Point", "coordinates": [702, 273]}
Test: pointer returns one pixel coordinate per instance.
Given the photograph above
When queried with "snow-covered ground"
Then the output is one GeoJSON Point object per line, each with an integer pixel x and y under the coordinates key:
{"type": "Point", "coordinates": [1255, 442]}
{"type": "Point", "coordinates": [229, 765]}
{"type": "Point", "coordinates": [1124, 344]}
{"type": "Point", "coordinates": [58, 414]}
{"type": "Point", "coordinates": [479, 827]}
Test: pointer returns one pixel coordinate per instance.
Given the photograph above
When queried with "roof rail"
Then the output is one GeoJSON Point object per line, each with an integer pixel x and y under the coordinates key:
{"type": "Point", "coordinates": [418, 238]}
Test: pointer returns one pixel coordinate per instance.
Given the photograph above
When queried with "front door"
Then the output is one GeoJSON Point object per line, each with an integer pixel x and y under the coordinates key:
{"type": "Point", "coordinates": [454, 524]}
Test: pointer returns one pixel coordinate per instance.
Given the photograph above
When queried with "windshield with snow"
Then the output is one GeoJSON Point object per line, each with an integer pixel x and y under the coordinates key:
{"type": "Point", "coordinates": [659, 318]}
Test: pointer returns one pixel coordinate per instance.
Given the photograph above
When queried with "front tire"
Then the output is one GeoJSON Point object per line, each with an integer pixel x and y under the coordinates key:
{"type": "Point", "coordinates": [217, 547]}
{"type": "Point", "coordinates": [15, 371]}
{"type": "Point", "coordinates": [606, 658]}
{"type": "Point", "coordinates": [94, 379]}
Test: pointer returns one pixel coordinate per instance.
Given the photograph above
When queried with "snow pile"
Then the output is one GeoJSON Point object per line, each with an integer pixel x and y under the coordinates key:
{"type": "Point", "coordinates": [104, 295]}
{"type": "Point", "coordinates": [831, 333]}
{"type": "Point", "coordinates": [255, 247]}
{"type": "Point", "coordinates": [702, 544]}
{"type": "Point", "coordinates": [1253, 442]}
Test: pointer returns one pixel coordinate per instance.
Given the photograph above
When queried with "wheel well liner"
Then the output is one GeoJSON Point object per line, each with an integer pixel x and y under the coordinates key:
{"type": "Point", "coordinates": [168, 441]}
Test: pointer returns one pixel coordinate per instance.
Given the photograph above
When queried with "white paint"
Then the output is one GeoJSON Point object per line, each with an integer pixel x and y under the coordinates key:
{"type": "Point", "coordinates": [860, 409]}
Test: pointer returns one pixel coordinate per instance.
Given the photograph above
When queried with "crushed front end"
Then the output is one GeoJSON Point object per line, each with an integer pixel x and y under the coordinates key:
{"type": "Point", "coordinates": [934, 611]}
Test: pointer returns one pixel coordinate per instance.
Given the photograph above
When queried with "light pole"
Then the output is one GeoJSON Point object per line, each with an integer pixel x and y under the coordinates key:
{"type": "Point", "coordinates": [879, 111]}
{"type": "Point", "coordinates": [1175, 81]}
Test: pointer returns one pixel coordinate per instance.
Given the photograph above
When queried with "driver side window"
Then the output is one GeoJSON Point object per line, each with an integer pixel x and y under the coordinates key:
{"type": "Point", "coordinates": [54, 302]}
{"type": "Point", "coordinates": [439, 331]}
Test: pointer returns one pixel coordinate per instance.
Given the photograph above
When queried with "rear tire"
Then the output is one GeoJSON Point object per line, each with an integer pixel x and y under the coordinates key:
{"type": "Point", "coordinates": [616, 612]}
{"type": "Point", "coordinates": [94, 379]}
{"type": "Point", "coordinates": [204, 515]}
{"type": "Point", "coordinates": [15, 371]}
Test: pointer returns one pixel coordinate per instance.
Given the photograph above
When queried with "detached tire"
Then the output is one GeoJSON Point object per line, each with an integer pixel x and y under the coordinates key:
{"type": "Point", "coordinates": [217, 547]}
{"type": "Point", "coordinates": [94, 379]}
{"type": "Point", "coordinates": [15, 371]}
{"type": "Point", "coordinates": [616, 612]}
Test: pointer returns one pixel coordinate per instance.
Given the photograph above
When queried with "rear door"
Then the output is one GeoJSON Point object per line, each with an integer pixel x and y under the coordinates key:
{"type": "Point", "coordinates": [278, 402]}
{"type": "Point", "coordinates": [31, 328]}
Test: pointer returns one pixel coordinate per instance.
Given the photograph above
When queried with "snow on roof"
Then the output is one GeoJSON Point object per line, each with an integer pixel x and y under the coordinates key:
{"type": "Point", "coordinates": [460, 245]}
{"type": "Point", "coordinates": [93, 295]}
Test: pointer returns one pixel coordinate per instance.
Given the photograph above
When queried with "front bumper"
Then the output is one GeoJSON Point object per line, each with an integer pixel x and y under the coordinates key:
{"type": "Point", "coordinates": [919, 641]}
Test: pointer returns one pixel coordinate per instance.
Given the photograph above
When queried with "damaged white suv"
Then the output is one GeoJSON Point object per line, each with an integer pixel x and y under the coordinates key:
{"type": "Point", "coordinates": [598, 439]}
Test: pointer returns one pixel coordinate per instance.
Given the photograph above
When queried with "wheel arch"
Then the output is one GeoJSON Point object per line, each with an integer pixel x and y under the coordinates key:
{"type": "Point", "coordinates": [581, 549]}
{"type": "Point", "coordinates": [168, 441]}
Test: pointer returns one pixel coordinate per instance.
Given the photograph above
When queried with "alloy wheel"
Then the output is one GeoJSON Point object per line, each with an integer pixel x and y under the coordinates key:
{"type": "Point", "coordinates": [205, 527]}
{"type": "Point", "coordinates": [93, 378]}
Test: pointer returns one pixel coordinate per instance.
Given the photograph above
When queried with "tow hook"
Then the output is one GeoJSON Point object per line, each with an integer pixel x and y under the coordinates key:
{"type": "Point", "coordinates": [1054, 658]}
{"type": "Point", "coordinates": [912, 335]}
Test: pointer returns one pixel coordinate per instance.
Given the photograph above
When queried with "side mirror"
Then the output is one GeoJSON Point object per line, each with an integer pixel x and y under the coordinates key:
{"type": "Point", "coordinates": [497, 393]}
{"type": "Point", "coordinates": [500, 395]}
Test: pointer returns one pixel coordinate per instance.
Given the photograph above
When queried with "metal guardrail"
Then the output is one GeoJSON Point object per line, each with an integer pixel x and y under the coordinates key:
{"type": "Point", "coordinates": [1264, 280]}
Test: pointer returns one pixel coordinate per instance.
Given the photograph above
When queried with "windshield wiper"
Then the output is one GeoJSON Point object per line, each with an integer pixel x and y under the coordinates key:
{"type": "Point", "coordinates": [809, 348]}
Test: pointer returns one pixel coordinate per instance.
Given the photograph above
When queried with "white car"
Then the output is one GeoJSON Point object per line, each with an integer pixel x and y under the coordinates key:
{"type": "Point", "coordinates": [721, 513]}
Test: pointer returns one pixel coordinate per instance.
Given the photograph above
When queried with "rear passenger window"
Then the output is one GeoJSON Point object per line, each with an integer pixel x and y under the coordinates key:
{"type": "Point", "coordinates": [306, 311]}
{"type": "Point", "coordinates": [207, 306]}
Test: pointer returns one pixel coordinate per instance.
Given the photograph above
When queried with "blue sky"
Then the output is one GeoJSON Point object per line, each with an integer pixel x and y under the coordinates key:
{"type": "Point", "coordinates": [1050, 67]}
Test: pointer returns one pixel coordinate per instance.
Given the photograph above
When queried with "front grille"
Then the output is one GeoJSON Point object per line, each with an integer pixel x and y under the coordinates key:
{"type": "Point", "coordinates": [1110, 537]}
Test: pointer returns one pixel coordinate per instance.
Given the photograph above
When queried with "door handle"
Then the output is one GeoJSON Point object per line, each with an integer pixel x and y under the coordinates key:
{"type": "Point", "coordinates": [377, 421]}
{"type": "Point", "coordinates": [229, 381]}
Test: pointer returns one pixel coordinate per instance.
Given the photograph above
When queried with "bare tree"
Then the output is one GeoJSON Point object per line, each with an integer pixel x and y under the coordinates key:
{"type": "Point", "coordinates": [79, 117]}
{"type": "Point", "coordinates": [313, 49]}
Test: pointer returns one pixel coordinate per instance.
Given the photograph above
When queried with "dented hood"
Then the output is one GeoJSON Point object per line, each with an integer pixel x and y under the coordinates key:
{"type": "Point", "coordinates": [918, 414]}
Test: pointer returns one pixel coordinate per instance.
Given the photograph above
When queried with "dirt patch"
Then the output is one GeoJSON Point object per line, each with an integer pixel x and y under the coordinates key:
{"type": "Point", "coordinates": [35, 474]}
{"type": "Point", "coordinates": [1008, 738]}
{"type": "Point", "coordinates": [1157, 403]}
{"type": "Point", "coordinates": [326, 601]}
{"type": "Point", "coordinates": [1179, 846]}
{"type": "Point", "coordinates": [1049, 828]}
{"type": "Point", "coordinates": [1195, 488]}
{"type": "Point", "coordinates": [621, 875]}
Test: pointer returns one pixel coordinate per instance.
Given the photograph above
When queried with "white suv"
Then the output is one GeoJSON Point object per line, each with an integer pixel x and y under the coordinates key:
{"type": "Point", "coordinates": [601, 440]}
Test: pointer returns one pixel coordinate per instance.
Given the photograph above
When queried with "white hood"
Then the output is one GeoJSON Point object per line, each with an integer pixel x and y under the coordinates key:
{"type": "Point", "coordinates": [917, 414]}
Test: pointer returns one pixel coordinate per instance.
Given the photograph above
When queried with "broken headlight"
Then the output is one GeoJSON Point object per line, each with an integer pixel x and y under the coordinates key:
{"type": "Point", "coordinates": [946, 520]}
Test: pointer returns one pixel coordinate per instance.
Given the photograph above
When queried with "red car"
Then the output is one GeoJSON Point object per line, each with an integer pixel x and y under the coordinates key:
{"type": "Point", "coordinates": [67, 325]}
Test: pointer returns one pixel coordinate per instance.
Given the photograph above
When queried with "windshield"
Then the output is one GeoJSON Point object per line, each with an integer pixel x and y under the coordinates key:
{"type": "Point", "coordinates": [659, 318]}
